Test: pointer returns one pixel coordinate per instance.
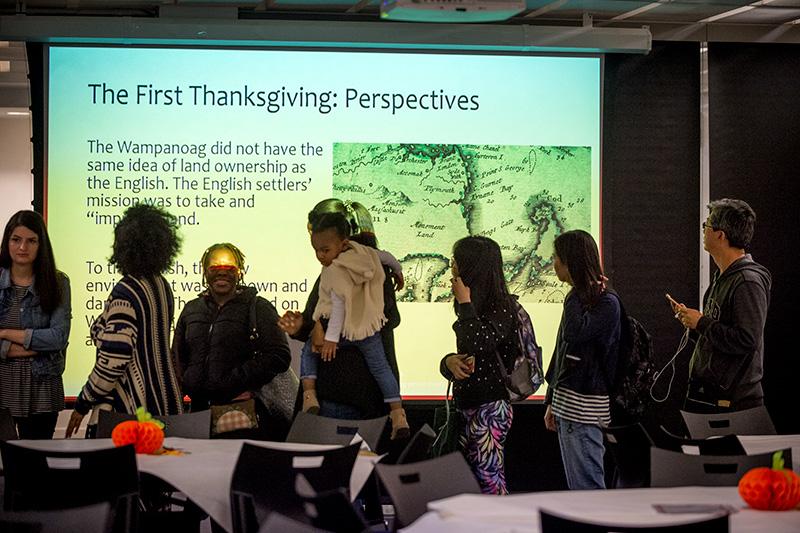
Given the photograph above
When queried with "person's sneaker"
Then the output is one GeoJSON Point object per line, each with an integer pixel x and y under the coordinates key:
{"type": "Point", "coordinates": [310, 403]}
{"type": "Point", "coordinates": [400, 429]}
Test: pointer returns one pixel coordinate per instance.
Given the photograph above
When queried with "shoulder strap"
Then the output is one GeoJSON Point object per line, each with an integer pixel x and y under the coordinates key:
{"type": "Point", "coordinates": [501, 366]}
{"type": "Point", "coordinates": [253, 320]}
{"type": "Point", "coordinates": [521, 312]}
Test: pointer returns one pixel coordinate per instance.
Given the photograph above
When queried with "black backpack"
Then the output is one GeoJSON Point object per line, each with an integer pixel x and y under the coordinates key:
{"type": "Point", "coordinates": [630, 394]}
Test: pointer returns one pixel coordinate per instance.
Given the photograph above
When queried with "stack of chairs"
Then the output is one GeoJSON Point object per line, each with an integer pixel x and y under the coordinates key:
{"type": "Point", "coordinates": [711, 455]}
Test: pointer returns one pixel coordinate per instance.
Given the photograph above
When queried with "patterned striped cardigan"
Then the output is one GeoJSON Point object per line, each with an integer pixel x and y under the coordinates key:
{"type": "Point", "coordinates": [134, 367]}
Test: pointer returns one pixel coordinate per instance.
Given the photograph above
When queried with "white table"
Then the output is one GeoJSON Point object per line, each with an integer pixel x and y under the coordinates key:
{"type": "Point", "coordinates": [204, 474]}
{"type": "Point", "coordinates": [477, 513]}
{"type": "Point", "coordinates": [756, 444]}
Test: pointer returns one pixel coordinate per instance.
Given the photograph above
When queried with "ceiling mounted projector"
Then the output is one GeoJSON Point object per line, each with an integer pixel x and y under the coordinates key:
{"type": "Point", "coordinates": [451, 10]}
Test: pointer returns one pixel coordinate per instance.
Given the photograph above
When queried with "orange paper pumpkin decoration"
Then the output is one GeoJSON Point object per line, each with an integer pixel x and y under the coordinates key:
{"type": "Point", "coordinates": [771, 489]}
{"type": "Point", "coordinates": [145, 433]}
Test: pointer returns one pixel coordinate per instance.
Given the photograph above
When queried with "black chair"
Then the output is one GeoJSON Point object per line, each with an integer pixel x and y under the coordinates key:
{"type": "Point", "coordinates": [556, 523]}
{"type": "Point", "coordinates": [419, 447]}
{"type": "Point", "coordinates": [630, 447]}
{"type": "Point", "coordinates": [8, 429]}
{"type": "Point", "coordinates": [411, 486]}
{"type": "Point", "coordinates": [196, 425]}
{"type": "Point", "coordinates": [48, 480]}
{"type": "Point", "coordinates": [188, 425]}
{"type": "Point", "coordinates": [330, 509]}
{"type": "Point", "coordinates": [264, 481]}
{"type": "Point", "coordinates": [315, 429]}
{"type": "Point", "coordinates": [164, 506]}
{"type": "Point", "coordinates": [723, 445]}
{"type": "Point", "coordinates": [88, 519]}
{"type": "Point", "coordinates": [755, 421]}
{"type": "Point", "coordinates": [675, 469]}
{"type": "Point", "coordinates": [278, 523]}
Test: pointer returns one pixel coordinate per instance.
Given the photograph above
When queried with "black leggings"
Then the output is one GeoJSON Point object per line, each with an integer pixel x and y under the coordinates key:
{"type": "Point", "coordinates": [37, 426]}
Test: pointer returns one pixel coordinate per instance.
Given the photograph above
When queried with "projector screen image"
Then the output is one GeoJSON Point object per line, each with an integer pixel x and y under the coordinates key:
{"type": "Point", "coordinates": [241, 144]}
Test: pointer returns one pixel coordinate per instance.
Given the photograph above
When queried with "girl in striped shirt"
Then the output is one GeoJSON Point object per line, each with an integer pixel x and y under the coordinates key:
{"type": "Point", "coordinates": [585, 358]}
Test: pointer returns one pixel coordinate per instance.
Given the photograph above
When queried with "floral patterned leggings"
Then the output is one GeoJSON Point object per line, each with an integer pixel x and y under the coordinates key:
{"type": "Point", "coordinates": [485, 431]}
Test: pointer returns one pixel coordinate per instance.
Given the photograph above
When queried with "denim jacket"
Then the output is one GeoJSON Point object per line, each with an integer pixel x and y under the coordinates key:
{"type": "Point", "coordinates": [585, 357]}
{"type": "Point", "coordinates": [45, 333]}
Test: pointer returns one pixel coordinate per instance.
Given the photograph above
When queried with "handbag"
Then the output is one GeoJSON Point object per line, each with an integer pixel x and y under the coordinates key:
{"type": "Point", "coordinates": [280, 394]}
{"type": "Point", "coordinates": [447, 421]}
{"type": "Point", "coordinates": [233, 416]}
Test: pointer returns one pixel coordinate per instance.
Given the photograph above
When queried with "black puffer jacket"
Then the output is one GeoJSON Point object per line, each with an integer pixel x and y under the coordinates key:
{"type": "Point", "coordinates": [213, 351]}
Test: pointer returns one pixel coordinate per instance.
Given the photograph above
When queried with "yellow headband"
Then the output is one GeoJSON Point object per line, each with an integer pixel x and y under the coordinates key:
{"type": "Point", "coordinates": [222, 258]}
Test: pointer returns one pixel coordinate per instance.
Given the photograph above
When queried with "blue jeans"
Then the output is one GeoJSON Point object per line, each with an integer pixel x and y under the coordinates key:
{"type": "Point", "coordinates": [372, 350]}
{"type": "Point", "coordinates": [582, 451]}
{"type": "Point", "coordinates": [339, 410]}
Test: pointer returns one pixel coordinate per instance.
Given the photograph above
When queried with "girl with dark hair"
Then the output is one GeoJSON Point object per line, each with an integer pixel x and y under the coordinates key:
{"type": "Point", "coordinates": [584, 361]}
{"type": "Point", "coordinates": [35, 316]}
{"type": "Point", "coordinates": [486, 326]}
{"type": "Point", "coordinates": [134, 367]}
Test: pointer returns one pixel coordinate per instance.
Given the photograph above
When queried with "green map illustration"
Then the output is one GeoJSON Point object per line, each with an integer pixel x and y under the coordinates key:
{"type": "Point", "coordinates": [424, 197]}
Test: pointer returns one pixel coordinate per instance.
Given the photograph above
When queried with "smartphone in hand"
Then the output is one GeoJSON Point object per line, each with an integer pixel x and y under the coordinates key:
{"type": "Point", "coordinates": [672, 301]}
{"type": "Point", "coordinates": [470, 360]}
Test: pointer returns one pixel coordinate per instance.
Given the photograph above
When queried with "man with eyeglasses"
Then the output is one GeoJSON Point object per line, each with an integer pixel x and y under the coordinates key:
{"type": "Point", "coordinates": [728, 359]}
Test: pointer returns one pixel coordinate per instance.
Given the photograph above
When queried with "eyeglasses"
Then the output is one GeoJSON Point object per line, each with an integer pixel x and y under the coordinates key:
{"type": "Point", "coordinates": [705, 225]}
{"type": "Point", "coordinates": [213, 268]}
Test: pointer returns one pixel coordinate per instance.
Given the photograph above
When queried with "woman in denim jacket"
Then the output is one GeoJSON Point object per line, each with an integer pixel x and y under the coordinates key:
{"type": "Point", "coordinates": [35, 316]}
{"type": "Point", "coordinates": [584, 361]}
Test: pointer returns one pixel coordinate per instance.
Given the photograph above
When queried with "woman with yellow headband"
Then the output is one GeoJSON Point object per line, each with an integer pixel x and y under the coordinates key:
{"type": "Point", "coordinates": [218, 362]}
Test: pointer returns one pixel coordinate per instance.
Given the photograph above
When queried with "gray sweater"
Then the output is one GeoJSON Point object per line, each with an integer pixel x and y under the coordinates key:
{"type": "Point", "coordinates": [728, 359]}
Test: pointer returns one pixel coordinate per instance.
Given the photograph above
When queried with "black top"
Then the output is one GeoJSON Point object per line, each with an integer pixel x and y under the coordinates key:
{"type": "Point", "coordinates": [483, 337]}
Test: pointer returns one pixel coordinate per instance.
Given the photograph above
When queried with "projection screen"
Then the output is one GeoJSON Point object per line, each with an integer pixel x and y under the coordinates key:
{"type": "Point", "coordinates": [241, 143]}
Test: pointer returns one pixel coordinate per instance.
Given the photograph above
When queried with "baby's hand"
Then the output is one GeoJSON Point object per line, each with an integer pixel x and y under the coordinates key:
{"type": "Point", "coordinates": [317, 337]}
{"type": "Point", "coordinates": [291, 322]}
{"type": "Point", "coordinates": [398, 281]}
{"type": "Point", "coordinates": [328, 351]}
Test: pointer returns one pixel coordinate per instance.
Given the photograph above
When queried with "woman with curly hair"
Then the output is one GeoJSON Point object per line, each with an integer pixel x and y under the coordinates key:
{"type": "Point", "coordinates": [35, 318]}
{"type": "Point", "coordinates": [134, 367]}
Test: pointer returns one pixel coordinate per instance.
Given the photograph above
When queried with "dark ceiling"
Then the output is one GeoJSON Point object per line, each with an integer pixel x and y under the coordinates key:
{"type": "Point", "coordinates": [608, 12]}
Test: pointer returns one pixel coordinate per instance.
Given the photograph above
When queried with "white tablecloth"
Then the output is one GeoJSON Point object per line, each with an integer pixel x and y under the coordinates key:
{"type": "Point", "coordinates": [476, 513]}
{"type": "Point", "coordinates": [204, 474]}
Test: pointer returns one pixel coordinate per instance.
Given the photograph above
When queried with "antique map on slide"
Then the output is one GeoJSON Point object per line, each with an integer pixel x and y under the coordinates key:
{"type": "Point", "coordinates": [424, 197]}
